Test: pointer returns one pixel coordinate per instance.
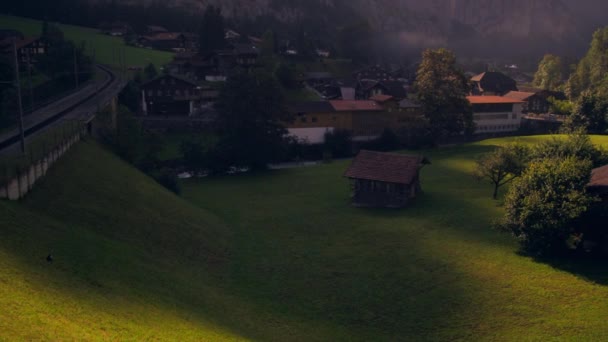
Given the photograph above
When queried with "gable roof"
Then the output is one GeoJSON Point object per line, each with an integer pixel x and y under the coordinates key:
{"type": "Point", "coordinates": [386, 167]}
{"type": "Point", "coordinates": [355, 105]}
{"type": "Point", "coordinates": [493, 81]}
{"type": "Point", "coordinates": [492, 100]}
{"type": "Point", "coordinates": [519, 95]}
{"type": "Point", "coordinates": [380, 98]}
{"type": "Point", "coordinates": [599, 178]}
{"type": "Point", "coordinates": [395, 88]}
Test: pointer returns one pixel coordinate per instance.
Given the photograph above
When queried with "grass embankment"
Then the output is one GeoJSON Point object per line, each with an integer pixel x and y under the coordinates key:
{"type": "Point", "coordinates": [131, 259]}
{"type": "Point", "coordinates": [105, 47]}
{"type": "Point", "coordinates": [279, 256]}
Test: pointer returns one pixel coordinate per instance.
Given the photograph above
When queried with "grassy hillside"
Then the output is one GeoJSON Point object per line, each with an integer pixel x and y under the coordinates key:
{"type": "Point", "coordinates": [105, 47]}
{"type": "Point", "coordinates": [435, 271]}
{"type": "Point", "coordinates": [279, 256]}
{"type": "Point", "coordinates": [131, 259]}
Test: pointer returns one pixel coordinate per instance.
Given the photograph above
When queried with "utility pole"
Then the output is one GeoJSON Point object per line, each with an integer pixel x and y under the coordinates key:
{"type": "Point", "coordinates": [75, 68]}
{"type": "Point", "coordinates": [18, 85]}
{"type": "Point", "coordinates": [29, 80]}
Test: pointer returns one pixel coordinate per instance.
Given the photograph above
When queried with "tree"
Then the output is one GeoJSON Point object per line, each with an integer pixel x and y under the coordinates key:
{"type": "Point", "coordinates": [194, 156]}
{"type": "Point", "coordinates": [561, 107]}
{"type": "Point", "coordinates": [286, 75]}
{"type": "Point", "coordinates": [549, 73]}
{"type": "Point", "coordinates": [267, 47]}
{"type": "Point", "coordinates": [251, 120]}
{"type": "Point", "coordinates": [591, 71]}
{"type": "Point", "coordinates": [212, 34]}
{"type": "Point", "coordinates": [543, 204]}
{"type": "Point", "coordinates": [577, 144]}
{"type": "Point", "coordinates": [442, 90]}
{"type": "Point", "coordinates": [590, 113]}
{"type": "Point", "coordinates": [502, 166]}
{"type": "Point", "coordinates": [338, 143]}
{"type": "Point", "coordinates": [150, 72]}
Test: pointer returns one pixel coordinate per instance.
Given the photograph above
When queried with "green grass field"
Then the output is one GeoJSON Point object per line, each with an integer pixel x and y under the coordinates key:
{"type": "Point", "coordinates": [280, 256]}
{"type": "Point", "coordinates": [105, 47]}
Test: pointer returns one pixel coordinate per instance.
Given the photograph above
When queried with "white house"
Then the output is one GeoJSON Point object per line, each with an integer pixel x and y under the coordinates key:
{"type": "Point", "coordinates": [496, 114]}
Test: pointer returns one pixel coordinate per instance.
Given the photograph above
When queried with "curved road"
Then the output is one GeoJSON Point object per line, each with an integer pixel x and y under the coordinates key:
{"type": "Point", "coordinates": [81, 105]}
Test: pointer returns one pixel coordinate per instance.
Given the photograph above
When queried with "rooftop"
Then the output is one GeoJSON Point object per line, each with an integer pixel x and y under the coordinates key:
{"type": "Point", "coordinates": [386, 167]}
{"type": "Point", "coordinates": [599, 177]}
{"type": "Point", "coordinates": [381, 98]}
{"type": "Point", "coordinates": [519, 95]}
{"type": "Point", "coordinates": [355, 105]}
{"type": "Point", "coordinates": [492, 100]}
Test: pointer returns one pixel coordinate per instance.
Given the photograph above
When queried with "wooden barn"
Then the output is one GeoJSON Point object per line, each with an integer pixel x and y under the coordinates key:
{"type": "Point", "coordinates": [387, 180]}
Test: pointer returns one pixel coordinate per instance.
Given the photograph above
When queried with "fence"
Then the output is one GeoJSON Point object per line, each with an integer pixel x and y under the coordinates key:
{"type": "Point", "coordinates": [20, 172]}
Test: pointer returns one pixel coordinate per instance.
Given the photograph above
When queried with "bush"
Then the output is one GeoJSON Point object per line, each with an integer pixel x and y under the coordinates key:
{"type": "Point", "coordinates": [544, 204]}
{"type": "Point", "coordinates": [388, 141]}
{"type": "Point", "coordinates": [339, 143]}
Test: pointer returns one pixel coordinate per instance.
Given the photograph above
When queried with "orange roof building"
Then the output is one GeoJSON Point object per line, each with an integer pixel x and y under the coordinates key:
{"type": "Point", "coordinates": [496, 114]}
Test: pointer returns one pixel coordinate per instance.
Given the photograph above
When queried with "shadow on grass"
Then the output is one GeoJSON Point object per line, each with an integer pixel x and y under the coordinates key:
{"type": "Point", "coordinates": [590, 268]}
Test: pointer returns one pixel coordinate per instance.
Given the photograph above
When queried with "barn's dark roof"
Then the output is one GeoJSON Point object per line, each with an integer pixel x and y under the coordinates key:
{"type": "Point", "coordinates": [492, 81]}
{"type": "Point", "coordinates": [386, 167]}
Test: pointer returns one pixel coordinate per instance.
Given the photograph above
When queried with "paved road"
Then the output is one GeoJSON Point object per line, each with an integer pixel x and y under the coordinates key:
{"type": "Point", "coordinates": [81, 105]}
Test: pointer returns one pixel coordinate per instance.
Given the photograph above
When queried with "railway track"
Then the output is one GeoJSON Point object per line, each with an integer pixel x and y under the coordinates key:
{"type": "Point", "coordinates": [50, 120]}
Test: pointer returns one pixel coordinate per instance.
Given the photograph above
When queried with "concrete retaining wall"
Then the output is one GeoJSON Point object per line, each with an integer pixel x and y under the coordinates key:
{"type": "Point", "coordinates": [24, 182]}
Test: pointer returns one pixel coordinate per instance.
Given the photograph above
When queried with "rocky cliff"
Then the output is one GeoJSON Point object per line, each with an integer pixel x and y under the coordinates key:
{"type": "Point", "coordinates": [439, 18]}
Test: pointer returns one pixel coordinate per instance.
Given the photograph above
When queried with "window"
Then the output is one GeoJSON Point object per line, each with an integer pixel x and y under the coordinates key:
{"type": "Point", "coordinates": [303, 119]}
{"type": "Point", "coordinates": [314, 119]}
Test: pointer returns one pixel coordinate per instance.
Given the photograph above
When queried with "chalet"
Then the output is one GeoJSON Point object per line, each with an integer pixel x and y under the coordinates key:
{"type": "Point", "coordinates": [232, 36]}
{"type": "Point", "coordinates": [155, 29]}
{"type": "Point", "coordinates": [167, 41]}
{"type": "Point", "coordinates": [28, 49]}
{"type": "Point", "coordinates": [496, 114]}
{"type": "Point", "coordinates": [364, 119]}
{"type": "Point", "coordinates": [540, 103]}
{"type": "Point", "coordinates": [388, 180]}
{"type": "Point", "coordinates": [492, 83]}
{"type": "Point", "coordinates": [533, 103]}
{"type": "Point", "coordinates": [389, 102]}
{"type": "Point", "coordinates": [373, 73]}
{"type": "Point", "coordinates": [170, 95]}
{"type": "Point", "coordinates": [116, 29]}
{"type": "Point", "coordinates": [367, 89]}
{"type": "Point", "coordinates": [323, 53]}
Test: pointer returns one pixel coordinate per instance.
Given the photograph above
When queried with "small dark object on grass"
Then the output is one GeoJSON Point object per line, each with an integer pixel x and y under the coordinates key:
{"type": "Point", "coordinates": [49, 258]}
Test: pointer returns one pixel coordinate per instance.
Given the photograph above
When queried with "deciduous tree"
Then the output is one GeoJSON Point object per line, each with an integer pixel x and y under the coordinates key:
{"type": "Point", "coordinates": [502, 166]}
{"type": "Point", "coordinates": [442, 90]}
{"type": "Point", "coordinates": [543, 204]}
{"type": "Point", "coordinates": [549, 73]}
{"type": "Point", "coordinates": [212, 35]}
{"type": "Point", "coordinates": [251, 120]}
